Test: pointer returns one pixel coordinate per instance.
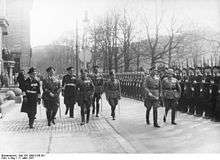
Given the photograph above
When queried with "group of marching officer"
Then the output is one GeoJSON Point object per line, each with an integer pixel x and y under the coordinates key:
{"type": "Point", "coordinates": [195, 91]}
{"type": "Point", "coordinates": [86, 90]}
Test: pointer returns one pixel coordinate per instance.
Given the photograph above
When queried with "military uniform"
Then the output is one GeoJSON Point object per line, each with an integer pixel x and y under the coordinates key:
{"type": "Point", "coordinates": [152, 93]}
{"type": "Point", "coordinates": [216, 95]}
{"type": "Point", "coordinates": [69, 93]}
{"type": "Point", "coordinates": [171, 93]}
{"type": "Point", "coordinates": [207, 95]}
{"type": "Point", "coordinates": [197, 84]}
{"type": "Point", "coordinates": [31, 98]}
{"type": "Point", "coordinates": [85, 90]}
{"type": "Point", "coordinates": [98, 82]}
{"type": "Point", "coordinates": [113, 94]}
{"type": "Point", "coordinates": [50, 96]}
{"type": "Point", "coordinates": [183, 99]}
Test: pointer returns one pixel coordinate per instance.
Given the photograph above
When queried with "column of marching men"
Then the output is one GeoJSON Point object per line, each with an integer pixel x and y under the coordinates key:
{"type": "Point", "coordinates": [86, 90]}
{"type": "Point", "coordinates": [195, 91]}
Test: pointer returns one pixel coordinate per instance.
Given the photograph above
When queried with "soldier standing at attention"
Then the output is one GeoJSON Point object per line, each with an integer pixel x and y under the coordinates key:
{"type": "Point", "coordinates": [113, 92]}
{"type": "Point", "coordinates": [51, 91]}
{"type": "Point", "coordinates": [197, 86]}
{"type": "Point", "coordinates": [171, 91]}
{"type": "Point", "coordinates": [85, 93]}
{"type": "Point", "coordinates": [182, 100]}
{"type": "Point", "coordinates": [216, 94]}
{"type": "Point", "coordinates": [69, 91]}
{"type": "Point", "coordinates": [152, 91]}
{"type": "Point", "coordinates": [31, 96]}
{"type": "Point", "coordinates": [98, 82]}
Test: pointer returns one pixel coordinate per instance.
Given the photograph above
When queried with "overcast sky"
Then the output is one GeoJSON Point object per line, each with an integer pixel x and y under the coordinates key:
{"type": "Point", "coordinates": [50, 18]}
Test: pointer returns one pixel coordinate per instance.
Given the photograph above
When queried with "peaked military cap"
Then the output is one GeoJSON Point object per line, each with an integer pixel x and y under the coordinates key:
{"type": "Point", "coordinates": [69, 68]}
{"type": "Point", "coordinates": [31, 70]}
{"type": "Point", "coordinates": [191, 68]}
{"type": "Point", "coordinates": [50, 68]}
{"type": "Point", "coordinates": [96, 66]}
{"type": "Point", "coordinates": [207, 67]}
{"type": "Point", "coordinates": [111, 72]}
{"type": "Point", "coordinates": [216, 67]}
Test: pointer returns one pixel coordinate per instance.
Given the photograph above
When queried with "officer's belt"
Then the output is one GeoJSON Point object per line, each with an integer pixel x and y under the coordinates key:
{"type": "Point", "coordinates": [28, 91]}
{"type": "Point", "coordinates": [70, 84]}
{"type": "Point", "coordinates": [170, 89]}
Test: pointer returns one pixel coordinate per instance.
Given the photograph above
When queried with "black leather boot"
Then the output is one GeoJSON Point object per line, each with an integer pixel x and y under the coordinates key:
{"type": "Point", "coordinates": [173, 112]}
{"type": "Point", "coordinates": [147, 116]}
{"type": "Point", "coordinates": [155, 118]}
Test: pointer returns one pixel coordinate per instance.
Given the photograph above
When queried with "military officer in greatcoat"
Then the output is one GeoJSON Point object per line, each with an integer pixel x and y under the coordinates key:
{"type": "Point", "coordinates": [69, 91]}
{"type": "Point", "coordinates": [31, 96]}
{"type": "Point", "coordinates": [113, 92]}
{"type": "Point", "coordinates": [98, 82]}
{"type": "Point", "coordinates": [51, 91]}
{"type": "Point", "coordinates": [171, 92]}
{"type": "Point", "coordinates": [85, 92]}
{"type": "Point", "coordinates": [152, 92]}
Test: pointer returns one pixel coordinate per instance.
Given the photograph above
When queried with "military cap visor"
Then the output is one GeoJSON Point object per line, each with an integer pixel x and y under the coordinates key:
{"type": "Point", "coordinates": [170, 71]}
{"type": "Point", "coordinates": [31, 70]}
{"type": "Point", "coordinates": [50, 68]}
{"type": "Point", "coordinates": [69, 68]}
{"type": "Point", "coordinates": [216, 67]}
{"type": "Point", "coordinates": [95, 66]}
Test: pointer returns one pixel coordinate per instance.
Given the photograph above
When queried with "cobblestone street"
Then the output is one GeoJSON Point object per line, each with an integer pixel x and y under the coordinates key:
{"type": "Point", "coordinates": [127, 134]}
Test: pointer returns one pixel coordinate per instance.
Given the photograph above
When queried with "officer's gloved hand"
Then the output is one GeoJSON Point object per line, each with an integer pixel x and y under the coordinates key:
{"type": "Point", "coordinates": [25, 99]}
{"type": "Point", "coordinates": [39, 100]}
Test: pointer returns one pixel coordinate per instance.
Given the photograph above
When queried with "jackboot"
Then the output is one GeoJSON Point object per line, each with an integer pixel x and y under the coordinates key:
{"type": "Point", "coordinates": [147, 116]}
{"type": "Point", "coordinates": [173, 115]}
{"type": "Point", "coordinates": [155, 118]}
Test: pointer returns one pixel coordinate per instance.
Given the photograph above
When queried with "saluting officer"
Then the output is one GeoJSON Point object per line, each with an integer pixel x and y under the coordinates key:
{"type": "Point", "coordinates": [171, 91]}
{"type": "Point", "coordinates": [98, 82]}
{"type": "Point", "coordinates": [152, 92]}
{"type": "Point", "coordinates": [113, 92]}
{"type": "Point", "coordinates": [69, 91]}
{"type": "Point", "coordinates": [85, 93]}
{"type": "Point", "coordinates": [51, 92]}
{"type": "Point", "coordinates": [31, 96]}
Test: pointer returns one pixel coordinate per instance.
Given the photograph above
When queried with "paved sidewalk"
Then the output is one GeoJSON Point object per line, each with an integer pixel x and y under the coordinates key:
{"type": "Point", "coordinates": [67, 136]}
{"type": "Point", "coordinates": [191, 135]}
{"type": "Point", "coordinates": [127, 134]}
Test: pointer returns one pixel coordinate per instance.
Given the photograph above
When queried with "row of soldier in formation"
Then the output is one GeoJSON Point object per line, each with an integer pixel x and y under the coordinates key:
{"type": "Point", "coordinates": [187, 91]}
{"type": "Point", "coordinates": [86, 90]}
{"type": "Point", "coordinates": [199, 89]}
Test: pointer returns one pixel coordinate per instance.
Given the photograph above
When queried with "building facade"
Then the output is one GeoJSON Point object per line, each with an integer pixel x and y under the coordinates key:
{"type": "Point", "coordinates": [3, 31]}
{"type": "Point", "coordinates": [18, 38]}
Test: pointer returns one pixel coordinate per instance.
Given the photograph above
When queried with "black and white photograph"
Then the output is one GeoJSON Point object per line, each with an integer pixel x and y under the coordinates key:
{"type": "Point", "coordinates": [109, 78]}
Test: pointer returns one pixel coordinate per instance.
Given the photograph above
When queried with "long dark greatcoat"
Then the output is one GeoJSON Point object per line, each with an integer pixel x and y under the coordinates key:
{"type": "Point", "coordinates": [32, 90]}
{"type": "Point", "coordinates": [69, 85]}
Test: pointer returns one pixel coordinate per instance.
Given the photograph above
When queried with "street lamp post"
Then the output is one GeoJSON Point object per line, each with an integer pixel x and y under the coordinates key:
{"type": "Point", "coordinates": [77, 50]}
